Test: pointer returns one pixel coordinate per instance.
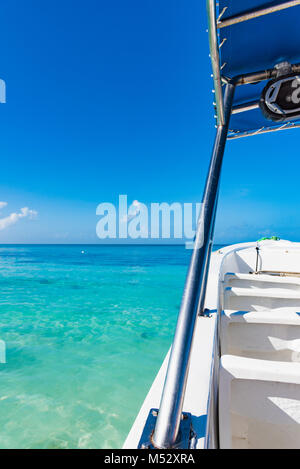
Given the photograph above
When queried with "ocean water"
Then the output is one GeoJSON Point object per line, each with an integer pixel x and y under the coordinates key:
{"type": "Point", "coordinates": [86, 329]}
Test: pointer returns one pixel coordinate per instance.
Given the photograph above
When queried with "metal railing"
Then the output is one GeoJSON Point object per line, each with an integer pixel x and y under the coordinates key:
{"type": "Point", "coordinates": [170, 412]}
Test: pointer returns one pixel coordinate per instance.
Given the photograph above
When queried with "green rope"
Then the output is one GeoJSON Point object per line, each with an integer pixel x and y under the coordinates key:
{"type": "Point", "coordinates": [273, 238]}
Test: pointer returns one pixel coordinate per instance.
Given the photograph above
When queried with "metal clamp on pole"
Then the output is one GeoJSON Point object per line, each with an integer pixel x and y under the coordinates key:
{"type": "Point", "coordinates": [169, 431]}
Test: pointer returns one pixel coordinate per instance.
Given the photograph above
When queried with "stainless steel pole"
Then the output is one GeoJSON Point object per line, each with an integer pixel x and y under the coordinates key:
{"type": "Point", "coordinates": [170, 412]}
{"type": "Point", "coordinates": [215, 58]}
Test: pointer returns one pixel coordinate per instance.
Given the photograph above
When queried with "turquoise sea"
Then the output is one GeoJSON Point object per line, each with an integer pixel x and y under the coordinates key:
{"type": "Point", "coordinates": [86, 329]}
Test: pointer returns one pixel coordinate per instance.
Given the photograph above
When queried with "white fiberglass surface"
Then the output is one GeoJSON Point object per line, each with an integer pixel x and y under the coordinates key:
{"type": "Point", "coordinates": [260, 345]}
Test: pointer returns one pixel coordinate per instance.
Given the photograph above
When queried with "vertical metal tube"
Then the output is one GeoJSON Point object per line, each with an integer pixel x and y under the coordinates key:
{"type": "Point", "coordinates": [202, 294]}
{"type": "Point", "coordinates": [215, 58]}
{"type": "Point", "coordinates": [169, 416]}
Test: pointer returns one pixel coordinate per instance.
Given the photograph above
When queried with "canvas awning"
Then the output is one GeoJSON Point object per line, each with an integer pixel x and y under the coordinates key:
{"type": "Point", "coordinates": [246, 37]}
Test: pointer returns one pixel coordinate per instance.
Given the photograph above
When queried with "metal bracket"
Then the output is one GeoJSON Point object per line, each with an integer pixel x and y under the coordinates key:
{"type": "Point", "coordinates": [283, 68]}
{"type": "Point", "coordinates": [184, 437]}
{"type": "Point", "coordinates": [206, 313]}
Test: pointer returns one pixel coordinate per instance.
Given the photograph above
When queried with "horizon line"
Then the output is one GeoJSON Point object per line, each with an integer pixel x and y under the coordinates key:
{"type": "Point", "coordinates": [104, 244]}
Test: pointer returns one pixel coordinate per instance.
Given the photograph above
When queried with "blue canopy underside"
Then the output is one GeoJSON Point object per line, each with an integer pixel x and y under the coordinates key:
{"type": "Point", "coordinates": [255, 45]}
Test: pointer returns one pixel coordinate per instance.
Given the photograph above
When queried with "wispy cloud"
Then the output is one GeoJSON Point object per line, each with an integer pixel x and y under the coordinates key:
{"type": "Point", "coordinates": [14, 217]}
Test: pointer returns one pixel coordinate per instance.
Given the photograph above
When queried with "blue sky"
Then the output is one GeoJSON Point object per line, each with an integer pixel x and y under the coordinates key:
{"type": "Point", "coordinates": [114, 97]}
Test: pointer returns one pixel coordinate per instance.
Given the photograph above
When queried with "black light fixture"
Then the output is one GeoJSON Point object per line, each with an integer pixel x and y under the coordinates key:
{"type": "Point", "coordinates": [280, 99]}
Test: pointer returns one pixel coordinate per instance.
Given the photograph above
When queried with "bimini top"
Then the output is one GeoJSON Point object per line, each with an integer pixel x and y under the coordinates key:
{"type": "Point", "coordinates": [257, 41]}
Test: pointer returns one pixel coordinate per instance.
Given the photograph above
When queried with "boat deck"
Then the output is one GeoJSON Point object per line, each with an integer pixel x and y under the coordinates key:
{"type": "Point", "coordinates": [243, 387]}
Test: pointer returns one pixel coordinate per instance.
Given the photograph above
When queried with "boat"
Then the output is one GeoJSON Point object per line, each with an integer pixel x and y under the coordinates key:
{"type": "Point", "coordinates": [231, 379]}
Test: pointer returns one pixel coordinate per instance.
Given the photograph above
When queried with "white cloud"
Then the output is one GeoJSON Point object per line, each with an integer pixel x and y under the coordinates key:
{"type": "Point", "coordinates": [2, 205]}
{"type": "Point", "coordinates": [13, 218]}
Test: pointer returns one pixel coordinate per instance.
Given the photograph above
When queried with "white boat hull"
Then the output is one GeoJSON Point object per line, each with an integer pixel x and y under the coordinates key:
{"type": "Point", "coordinates": [243, 387]}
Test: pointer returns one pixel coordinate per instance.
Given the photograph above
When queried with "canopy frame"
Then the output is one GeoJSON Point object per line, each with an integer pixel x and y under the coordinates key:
{"type": "Point", "coordinates": [249, 78]}
{"type": "Point", "coordinates": [233, 135]}
{"type": "Point", "coordinates": [254, 14]}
